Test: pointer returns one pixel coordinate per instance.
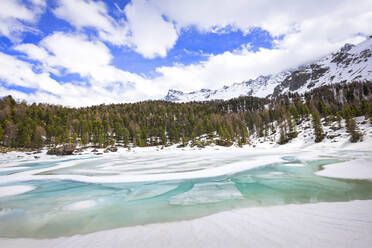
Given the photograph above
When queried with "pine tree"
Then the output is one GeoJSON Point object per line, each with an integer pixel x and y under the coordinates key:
{"type": "Point", "coordinates": [125, 135]}
{"type": "Point", "coordinates": [84, 138]}
{"type": "Point", "coordinates": [1, 133]}
{"type": "Point", "coordinates": [352, 129]}
{"type": "Point", "coordinates": [317, 125]}
{"type": "Point", "coordinates": [282, 139]}
{"type": "Point", "coordinates": [339, 118]}
{"type": "Point", "coordinates": [38, 137]}
{"type": "Point", "coordinates": [10, 134]}
{"type": "Point", "coordinates": [163, 138]}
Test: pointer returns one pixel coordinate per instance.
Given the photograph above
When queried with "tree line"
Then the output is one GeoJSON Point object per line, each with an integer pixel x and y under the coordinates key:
{"type": "Point", "coordinates": [152, 123]}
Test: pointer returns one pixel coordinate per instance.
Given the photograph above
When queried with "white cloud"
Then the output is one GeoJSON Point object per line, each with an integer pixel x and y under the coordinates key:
{"type": "Point", "coordinates": [68, 53]}
{"type": "Point", "coordinates": [82, 14]}
{"type": "Point", "coordinates": [277, 18]}
{"type": "Point", "coordinates": [20, 73]}
{"type": "Point", "coordinates": [64, 54]}
{"type": "Point", "coordinates": [146, 31]}
{"type": "Point", "coordinates": [16, 72]}
{"type": "Point", "coordinates": [151, 36]}
{"type": "Point", "coordinates": [16, 18]}
{"type": "Point", "coordinates": [75, 53]}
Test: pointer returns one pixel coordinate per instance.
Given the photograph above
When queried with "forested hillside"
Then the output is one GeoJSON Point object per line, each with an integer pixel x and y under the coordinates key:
{"type": "Point", "coordinates": [163, 123]}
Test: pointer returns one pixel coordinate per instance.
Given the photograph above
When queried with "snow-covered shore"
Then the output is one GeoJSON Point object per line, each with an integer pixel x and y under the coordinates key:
{"type": "Point", "coordinates": [261, 153]}
{"type": "Point", "coordinates": [341, 224]}
{"type": "Point", "coordinates": [336, 139]}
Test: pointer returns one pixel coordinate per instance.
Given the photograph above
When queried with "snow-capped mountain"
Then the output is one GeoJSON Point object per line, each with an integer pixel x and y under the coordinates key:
{"type": "Point", "coordinates": [350, 64]}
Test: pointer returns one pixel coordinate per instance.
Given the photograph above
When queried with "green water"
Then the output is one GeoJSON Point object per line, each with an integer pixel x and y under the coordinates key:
{"type": "Point", "coordinates": [45, 213]}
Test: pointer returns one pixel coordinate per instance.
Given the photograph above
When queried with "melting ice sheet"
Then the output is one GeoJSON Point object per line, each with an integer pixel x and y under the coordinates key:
{"type": "Point", "coordinates": [76, 195]}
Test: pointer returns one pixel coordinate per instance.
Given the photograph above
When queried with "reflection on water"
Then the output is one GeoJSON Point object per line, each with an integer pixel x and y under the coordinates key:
{"type": "Point", "coordinates": [61, 207]}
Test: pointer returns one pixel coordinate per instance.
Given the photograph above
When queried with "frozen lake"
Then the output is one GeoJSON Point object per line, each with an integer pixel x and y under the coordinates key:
{"type": "Point", "coordinates": [63, 196]}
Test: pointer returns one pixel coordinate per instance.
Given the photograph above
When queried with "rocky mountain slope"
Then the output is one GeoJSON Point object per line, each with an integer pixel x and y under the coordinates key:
{"type": "Point", "coordinates": [350, 64]}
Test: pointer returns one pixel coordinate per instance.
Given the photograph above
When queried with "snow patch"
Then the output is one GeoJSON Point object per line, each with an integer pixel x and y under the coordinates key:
{"type": "Point", "coordinates": [6, 191]}
{"type": "Point", "coordinates": [355, 169]}
{"type": "Point", "coordinates": [80, 205]}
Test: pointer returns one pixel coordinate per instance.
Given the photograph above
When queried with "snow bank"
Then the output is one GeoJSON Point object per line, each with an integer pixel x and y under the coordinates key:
{"type": "Point", "coordinates": [342, 224]}
{"type": "Point", "coordinates": [355, 169]}
{"type": "Point", "coordinates": [80, 205]}
{"type": "Point", "coordinates": [14, 168]}
{"type": "Point", "coordinates": [15, 190]}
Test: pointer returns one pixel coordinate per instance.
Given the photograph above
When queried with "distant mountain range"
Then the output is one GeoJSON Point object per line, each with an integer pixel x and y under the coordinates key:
{"type": "Point", "coordinates": [352, 63]}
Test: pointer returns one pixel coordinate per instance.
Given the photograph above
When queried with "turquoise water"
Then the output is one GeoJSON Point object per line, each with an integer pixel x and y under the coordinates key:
{"type": "Point", "coordinates": [53, 210]}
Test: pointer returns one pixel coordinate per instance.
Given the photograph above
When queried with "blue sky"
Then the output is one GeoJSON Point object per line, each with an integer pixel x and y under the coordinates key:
{"type": "Point", "coordinates": [191, 47]}
{"type": "Point", "coordinates": [84, 52]}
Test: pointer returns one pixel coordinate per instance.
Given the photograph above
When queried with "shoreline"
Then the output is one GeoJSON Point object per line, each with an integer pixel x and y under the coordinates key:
{"type": "Point", "coordinates": [262, 154]}
{"type": "Point", "coordinates": [258, 157]}
{"type": "Point", "coordinates": [335, 139]}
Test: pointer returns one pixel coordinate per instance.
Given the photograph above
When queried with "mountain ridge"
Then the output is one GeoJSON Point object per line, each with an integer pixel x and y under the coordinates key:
{"type": "Point", "coordinates": [351, 63]}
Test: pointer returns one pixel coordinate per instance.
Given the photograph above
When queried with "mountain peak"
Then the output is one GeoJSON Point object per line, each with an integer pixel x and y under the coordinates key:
{"type": "Point", "coordinates": [347, 47]}
{"type": "Point", "coordinates": [173, 91]}
{"type": "Point", "coordinates": [173, 95]}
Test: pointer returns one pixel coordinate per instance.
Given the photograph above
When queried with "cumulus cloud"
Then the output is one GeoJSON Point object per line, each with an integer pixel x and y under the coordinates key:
{"type": "Point", "coordinates": [152, 35]}
{"type": "Point", "coordinates": [63, 54]}
{"type": "Point", "coordinates": [20, 73]}
{"type": "Point", "coordinates": [145, 30]}
{"type": "Point", "coordinates": [16, 18]}
{"type": "Point", "coordinates": [91, 14]}
{"type": "Point", "coordinates": [74, 53]}
{"type": "Point", "coordinates": [277, 18]}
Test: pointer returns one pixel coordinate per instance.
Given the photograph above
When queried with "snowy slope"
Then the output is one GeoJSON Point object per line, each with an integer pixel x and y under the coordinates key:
{"type": "Point", "coordinates": [351, 63]}
{"type": "Point", "coordinates": [260, 87]}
